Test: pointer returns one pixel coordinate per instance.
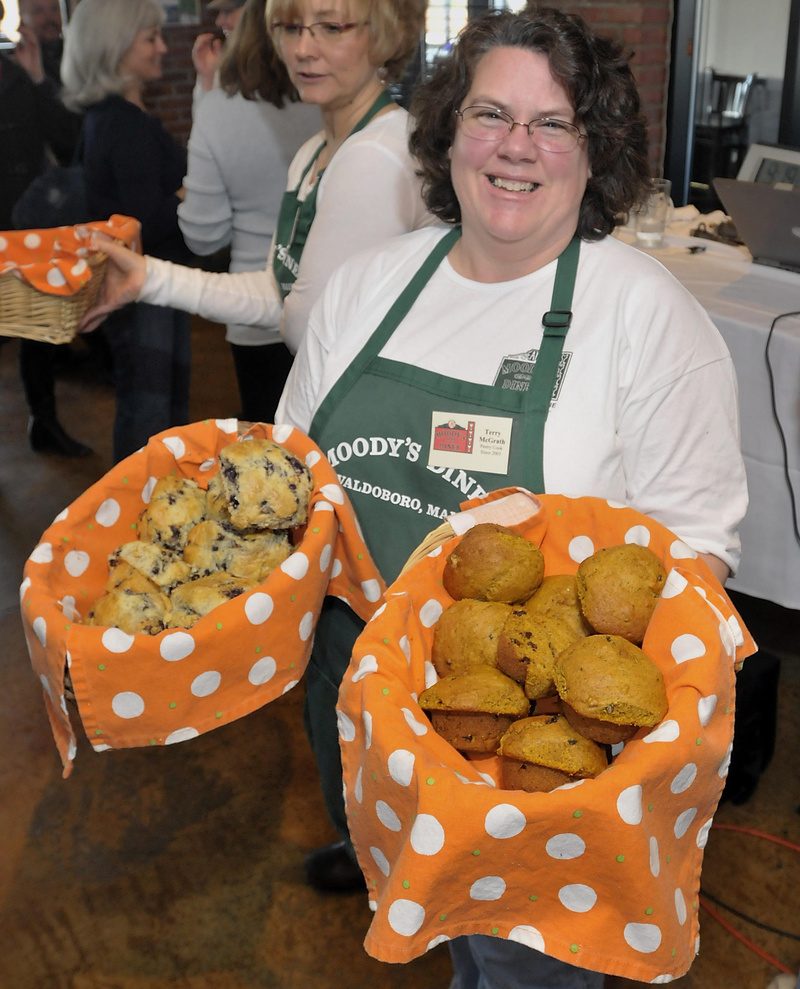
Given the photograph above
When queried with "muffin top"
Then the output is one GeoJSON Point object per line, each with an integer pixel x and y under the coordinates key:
{"type": "Point", "coordinates": [619, 588]}
{"type": "Point", "coordinates": [466, 635]}
{"type": "Point", "coordinates": [549, 740]}
{"type": "Point", "coordinates": [611, 679]}
{"type": "Point", "coordinates": [493, 563]}
{"type": "Point", "coordinates": [481, 689]}
{"type": "Point", "coordinates": [558, 595]}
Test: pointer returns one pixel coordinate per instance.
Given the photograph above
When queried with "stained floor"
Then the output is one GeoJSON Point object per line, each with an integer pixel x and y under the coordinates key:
{"type": "Point", "coordinates": [181, 867]}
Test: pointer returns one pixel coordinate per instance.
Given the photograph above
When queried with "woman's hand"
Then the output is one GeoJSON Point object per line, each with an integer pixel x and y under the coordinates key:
{"type": "Point", "coordinates": [125, 274]}
{"type": "Point", "coordinates": [206, 53]}
{"type": "Point", "coordinates": [28, 54]}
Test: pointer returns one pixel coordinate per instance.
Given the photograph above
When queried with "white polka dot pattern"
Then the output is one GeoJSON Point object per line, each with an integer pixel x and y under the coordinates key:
{"type": "Point", "coordinates": [168, 688]}
{"type": "Point", "coordinates": [601, 874]}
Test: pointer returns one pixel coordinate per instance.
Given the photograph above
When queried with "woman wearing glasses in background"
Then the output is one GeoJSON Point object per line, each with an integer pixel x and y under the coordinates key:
{"type": "Point", "coordinates": [531, 144]}
{"type": "Point", "coordinates": [350, 187]}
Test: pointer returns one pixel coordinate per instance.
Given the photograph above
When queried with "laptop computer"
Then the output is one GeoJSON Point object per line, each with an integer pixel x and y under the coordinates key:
{"type": "Point", "coordinates": [767, 219]}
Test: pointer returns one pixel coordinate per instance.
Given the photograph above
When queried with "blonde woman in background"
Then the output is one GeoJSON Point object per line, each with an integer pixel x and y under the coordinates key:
{"type": "Point", "coordinates": [351, 187]}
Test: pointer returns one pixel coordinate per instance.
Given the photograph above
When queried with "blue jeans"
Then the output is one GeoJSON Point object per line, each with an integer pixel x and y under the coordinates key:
{"type": "Point", "coordinates": [151, 347]}
{"type": "Point", "coordinates": [484, 962]}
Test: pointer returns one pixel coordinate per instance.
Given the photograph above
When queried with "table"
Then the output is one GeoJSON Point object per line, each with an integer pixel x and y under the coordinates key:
{"type": "Point", "coordinates": [742, 299]}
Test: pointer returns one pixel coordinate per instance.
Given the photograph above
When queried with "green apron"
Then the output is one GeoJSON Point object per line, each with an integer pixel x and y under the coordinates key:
{"type": "Point", "coordinates": [296, 216]}
{"type": "Point", "coordinates": [385, 408]}
{"type": "Point", "coordinates": [378, 429]}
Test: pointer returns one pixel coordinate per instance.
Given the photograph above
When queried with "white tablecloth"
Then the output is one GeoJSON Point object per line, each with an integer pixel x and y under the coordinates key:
{"type": "Point", "coordinates": [742, 299]}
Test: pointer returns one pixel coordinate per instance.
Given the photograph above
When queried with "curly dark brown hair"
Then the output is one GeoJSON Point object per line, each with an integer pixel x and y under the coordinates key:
{"type": "Point", "coordinates": [596, 75]}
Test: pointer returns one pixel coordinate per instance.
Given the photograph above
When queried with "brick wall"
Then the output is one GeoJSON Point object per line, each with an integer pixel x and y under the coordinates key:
{"type": "Point", "coordinates": [643, 26]}
{"type": "Point", "coordinates": [171, 99]}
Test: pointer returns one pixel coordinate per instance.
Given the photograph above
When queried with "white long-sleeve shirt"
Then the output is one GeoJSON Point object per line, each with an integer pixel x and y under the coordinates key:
{"type": "Point", "coordinates": [368, 193]}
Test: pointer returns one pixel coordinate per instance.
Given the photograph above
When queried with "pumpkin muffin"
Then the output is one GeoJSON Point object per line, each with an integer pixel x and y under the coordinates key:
{"type": "Point", "coordinates": [619, 588]}
{"type": "Point", "coordinates": [609, 688]}
{"type": "Point", "coordinates": [543, 752]}
{"type": "Point", "coordinates": [473, 710]}
{"type": "Point", "coordinates": [527, 649]}
{"type": "Point", "coordinates": [558, 595]}
{"type": "Point", "coordinates": [493, 563]}
{"type": "Point", "coordinates": [467, 634]}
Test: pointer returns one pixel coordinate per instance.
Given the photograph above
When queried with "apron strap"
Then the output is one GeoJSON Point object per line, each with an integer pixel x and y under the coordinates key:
{"type": "Point", "coordinates": [396, 314]}
{"type": "Point", "coordinates": [555, 325]}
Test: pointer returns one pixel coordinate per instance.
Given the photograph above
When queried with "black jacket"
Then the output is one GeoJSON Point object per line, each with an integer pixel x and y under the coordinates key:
{"type": "Point", "coordinates": [32, 117]}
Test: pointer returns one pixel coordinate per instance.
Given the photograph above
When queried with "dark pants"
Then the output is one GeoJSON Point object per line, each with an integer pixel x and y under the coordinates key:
{"type": "Point", "coordinates": [261, 373]}
{"type": "Point", "coordinates": [337, 630]}
{"type": "Point", "coordinates": [151, 347]}
{"type": "Point", "coordinates": [37, 361]}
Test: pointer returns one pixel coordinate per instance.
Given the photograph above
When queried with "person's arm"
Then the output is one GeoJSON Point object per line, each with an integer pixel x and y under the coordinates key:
{"type": "Point", "coordinates": [368, 194]}
{"type": "Point", "coordinates": [59, 126]}
{"type": "Point", "coordinates": [249, 297]}
{"type": "Point", "coordinates": [720, 569]}
{"type": "Point", "coordinates": [205, 216]}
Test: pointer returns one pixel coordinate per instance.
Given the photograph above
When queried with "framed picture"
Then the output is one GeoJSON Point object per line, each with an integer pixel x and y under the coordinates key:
{"type": "Point", "coordinates": [774, 165]}
{"type": "Point", "coordinates": [181, 11]}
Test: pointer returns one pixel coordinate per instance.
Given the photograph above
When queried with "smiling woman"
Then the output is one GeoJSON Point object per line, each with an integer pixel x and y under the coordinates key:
{"type": "Point", "coordinates": [580, 357]}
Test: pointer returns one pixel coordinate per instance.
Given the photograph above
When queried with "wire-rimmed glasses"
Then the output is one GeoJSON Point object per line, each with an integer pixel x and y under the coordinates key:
{"type": "Point", "coordinates": [487, 123]}
{"type": "Point", "coordinates": [325, 32]}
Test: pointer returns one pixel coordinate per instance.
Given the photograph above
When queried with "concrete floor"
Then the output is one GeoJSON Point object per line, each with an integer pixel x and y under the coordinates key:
{"type": "Point", "coordinates": [181, 867]}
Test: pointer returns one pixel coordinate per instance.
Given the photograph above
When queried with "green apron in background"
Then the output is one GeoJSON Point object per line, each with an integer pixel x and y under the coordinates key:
{"type": "Point", "coordinates": [296, 215]}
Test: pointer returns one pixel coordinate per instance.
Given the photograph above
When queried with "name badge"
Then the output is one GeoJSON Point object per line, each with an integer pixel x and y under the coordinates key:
{"type": "Point", "coordinates": [471, 442]}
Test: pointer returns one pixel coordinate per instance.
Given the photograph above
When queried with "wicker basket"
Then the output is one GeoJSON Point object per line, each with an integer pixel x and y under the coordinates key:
{"type": "Point", "coordinates": [27, 312]}
{"type": "Point", "coordinates": [432, 541]}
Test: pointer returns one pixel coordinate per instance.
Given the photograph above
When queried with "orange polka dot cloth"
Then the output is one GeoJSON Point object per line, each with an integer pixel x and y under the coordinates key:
{"type": "Point", "coordinates": [138, 690]}
{"type": "Point", "coordinates": [603, 874]}
{"type": "Point", "coordinates": [54, 260]}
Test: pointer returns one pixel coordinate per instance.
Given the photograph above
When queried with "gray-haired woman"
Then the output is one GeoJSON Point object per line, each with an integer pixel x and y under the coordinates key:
{"type": "Point", "coordinates": [113, 50]}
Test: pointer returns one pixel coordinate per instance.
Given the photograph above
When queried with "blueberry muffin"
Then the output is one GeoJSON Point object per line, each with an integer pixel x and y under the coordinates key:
{"type": "Point", "coordinates": [124, 577]}
{"type": "Point", "coordinates": [473, 710]}
{"type": "Point", "coordinates": [161, 565]}
{"type": "Point", "coordinates": [467, 634]}
{"type": "Point", "coordinates": [193, 600]}
{"type": "Point", "coordinates": [131, 612]}
{"type": "Point", "coordinates": [609, 688]}
{"type": "Point", "coordinates": [217, 508]}
{"type": "Point", "coordinates": [543, 752]}
{"type": "Point", "coordinates": [176, 504]}
{"type": "Point", "coordinates": [619, 588]}
{"type": "Point", "coordinates": [493, 563]}
{"type": "Point", "coordinates": [211, 546]}
{"type": "Point", "coordinates": [267, 486]}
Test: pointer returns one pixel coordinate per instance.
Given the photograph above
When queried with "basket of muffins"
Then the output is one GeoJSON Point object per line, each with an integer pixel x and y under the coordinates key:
{"type": "Point", "coordinates": [181, 591]}
{"type": "Point", "coordinates": [535, 732]}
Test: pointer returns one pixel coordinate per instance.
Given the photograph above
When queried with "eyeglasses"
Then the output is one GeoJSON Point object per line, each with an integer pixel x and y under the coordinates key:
{"type": "Point", "coordinates": [487, 123]}
{"type": "Point", "coordinates": [325, 32]}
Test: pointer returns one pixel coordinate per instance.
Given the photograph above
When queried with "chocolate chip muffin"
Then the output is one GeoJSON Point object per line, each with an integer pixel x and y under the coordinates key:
{"type": "Point", "coordinates": [528, 647]}
{"type": "Point", "coordinates": [543, 752]}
